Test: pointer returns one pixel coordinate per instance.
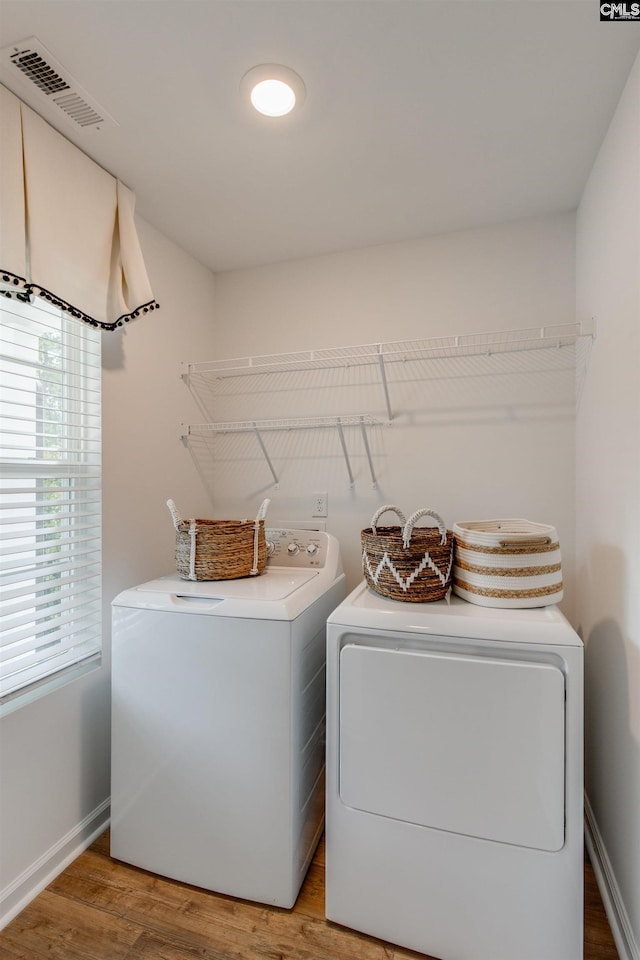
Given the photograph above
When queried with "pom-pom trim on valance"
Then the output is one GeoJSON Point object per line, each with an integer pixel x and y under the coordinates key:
{"type": "Point", "coordinates": [24, 291]}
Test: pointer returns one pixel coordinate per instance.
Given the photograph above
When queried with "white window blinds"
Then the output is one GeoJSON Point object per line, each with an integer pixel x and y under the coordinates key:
{"type": "Point", "coordinates": [50, 494]}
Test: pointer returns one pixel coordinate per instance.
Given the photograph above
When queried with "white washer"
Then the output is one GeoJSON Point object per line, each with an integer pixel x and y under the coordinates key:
{"type": "Point", "coordinates": [454, 778]}
{"type": "Point", "coordinates": [218, 722]}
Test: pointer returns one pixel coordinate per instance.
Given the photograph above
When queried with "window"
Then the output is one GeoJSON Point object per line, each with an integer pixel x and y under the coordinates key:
{"type": "Point", "coordinates": [50, 498]}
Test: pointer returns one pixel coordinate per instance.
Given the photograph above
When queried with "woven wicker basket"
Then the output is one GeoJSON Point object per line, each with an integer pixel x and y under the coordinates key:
{"type": "Point", "coordinates": [220, 549]}
{"type": "Point", "coordinates": [408, 562]}
{"type": "Point", "coordinates": [507, 563]}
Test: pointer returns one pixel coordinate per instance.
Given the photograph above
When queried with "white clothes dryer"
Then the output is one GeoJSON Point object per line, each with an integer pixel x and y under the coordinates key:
{"type": "Point", "coordinates": [218, 722]}
{"type": "Point", "coordinates": [454, 778]}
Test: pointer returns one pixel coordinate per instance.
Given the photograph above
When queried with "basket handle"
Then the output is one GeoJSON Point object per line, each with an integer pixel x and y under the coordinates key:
{"type": "Point", "coordinates": [262, 512]}
{"type": "Point", "coordinates": [527, 542]}
{"type": "Point", "coordinates": [413, 519]}
{"type": "Point", "coordinates": [384, 509]}
{"type": "Point", "coordinates": [177, 519]}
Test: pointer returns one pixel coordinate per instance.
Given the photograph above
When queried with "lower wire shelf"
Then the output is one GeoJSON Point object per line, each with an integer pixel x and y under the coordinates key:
{"type": "Point", "coordinates": [259, 427]}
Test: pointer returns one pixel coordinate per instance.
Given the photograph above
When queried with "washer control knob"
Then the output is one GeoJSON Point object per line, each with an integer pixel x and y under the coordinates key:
{"type": "Point", "coordinates": [292, 549]}
{"type": "Point", "coordinates": [271, 548]}
{"type": "Point", "coordinates": [312, 549]}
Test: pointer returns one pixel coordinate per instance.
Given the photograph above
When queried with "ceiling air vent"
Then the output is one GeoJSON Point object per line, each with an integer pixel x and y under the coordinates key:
{"type": "Point", "coordinates": [53, 88]}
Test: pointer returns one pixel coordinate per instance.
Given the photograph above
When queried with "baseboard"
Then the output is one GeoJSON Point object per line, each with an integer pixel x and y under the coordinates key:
{"type": "Point", "coordinates": [36, 877]}
{"type": "Point", "coordinates": [615, 909]}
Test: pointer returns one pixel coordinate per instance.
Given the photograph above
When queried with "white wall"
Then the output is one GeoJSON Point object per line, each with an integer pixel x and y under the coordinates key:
{"type": "Point", "coordinates": [55, 753]}
{"type": "Point", "coordinates": [608, 507]}
{"type": "Point", "coordinates": [144, 403]}
{"type": "Point", "coordinates": [473, 439]}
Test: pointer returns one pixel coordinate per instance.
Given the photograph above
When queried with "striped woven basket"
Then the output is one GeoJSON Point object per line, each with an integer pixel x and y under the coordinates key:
{"type": "Point", "coordinates": [507, 563]}
{"type": "Point", "coordinates": [408, 562]}
{"type": "Point", "coordinates": [220, 549]}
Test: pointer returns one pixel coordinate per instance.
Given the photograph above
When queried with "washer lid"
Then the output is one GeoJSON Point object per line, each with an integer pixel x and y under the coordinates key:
{"type": "Point", "coordinates": [454, 617]}
{"type": "Point", "coordinates": [275, 584]}
{"type": "Point", "coordinates": [278, 594]}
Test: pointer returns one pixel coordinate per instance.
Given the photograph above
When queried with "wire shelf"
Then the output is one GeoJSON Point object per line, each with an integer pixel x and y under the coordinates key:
{"type": "Point", "coordinates": [503, 341]}
{"type": "Point", "coordinates": [258, 427]}
{"type": "Point", "coordinates": [380, 355]}
{"type": "Point", "coordinates": [293, 423]}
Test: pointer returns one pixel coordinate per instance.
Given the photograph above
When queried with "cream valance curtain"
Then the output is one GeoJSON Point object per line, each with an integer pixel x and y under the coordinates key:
{"type": "Point", "coordinates": [67, 231]}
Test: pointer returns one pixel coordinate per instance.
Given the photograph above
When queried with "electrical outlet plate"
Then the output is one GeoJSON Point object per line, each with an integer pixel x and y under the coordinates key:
{"type": "Point", "coordinates": [319, 504]}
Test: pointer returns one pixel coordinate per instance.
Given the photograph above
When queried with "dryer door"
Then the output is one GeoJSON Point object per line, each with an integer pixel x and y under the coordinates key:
{"type": "Point", "coordinates": [468, 744]}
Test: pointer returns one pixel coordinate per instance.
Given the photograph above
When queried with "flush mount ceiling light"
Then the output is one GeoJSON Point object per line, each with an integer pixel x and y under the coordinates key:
{"type": "Point", "coordinates": [272, 89]}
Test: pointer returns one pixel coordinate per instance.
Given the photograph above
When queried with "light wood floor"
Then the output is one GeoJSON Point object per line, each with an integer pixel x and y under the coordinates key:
{"type": "Point", "coordinates": [100, 909]}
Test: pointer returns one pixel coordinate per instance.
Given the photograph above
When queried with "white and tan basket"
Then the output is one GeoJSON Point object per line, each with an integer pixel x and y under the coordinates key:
{"type": "Point", "coordinates": [507, 563]}
{"type": "Point", "coordinates": [220, 549]}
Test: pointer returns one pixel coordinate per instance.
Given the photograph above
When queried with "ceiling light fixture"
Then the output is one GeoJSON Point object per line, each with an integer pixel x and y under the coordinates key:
{"type": "Point", "coordinates": [272, 89]}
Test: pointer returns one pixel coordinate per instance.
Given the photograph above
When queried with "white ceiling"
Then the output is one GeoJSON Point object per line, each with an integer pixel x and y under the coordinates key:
{"type": "Point", "coordinates": [421, 116]}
